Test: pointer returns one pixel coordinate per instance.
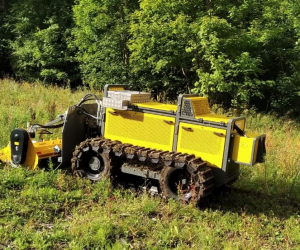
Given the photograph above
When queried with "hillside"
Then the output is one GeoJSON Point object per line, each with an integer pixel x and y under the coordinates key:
{"type": "Point", "coordinates": [54, 210]}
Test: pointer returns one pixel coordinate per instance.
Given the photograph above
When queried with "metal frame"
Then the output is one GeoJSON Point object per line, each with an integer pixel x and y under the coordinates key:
{"type": "Point", "coordinates": [221, 125]}
{"type": "Point", "coordinates": [74, 130]}
{"type": "Point", "coordinates": [106, 89]}
{"type": "Point", "coordinates": [191, 105]}
{"type": "Point", "coordinates": [151, 111]}
{"type": "Point", "coordinates": [140, 172]}
{"type": "Point", "coordinates": [107, 86]}
{"type": "Point", "coordinates": [263, 150]}
{"type": "Point", "coordinates": [177, 119]}
{"type": "Point", "coordinates": [228, 141]}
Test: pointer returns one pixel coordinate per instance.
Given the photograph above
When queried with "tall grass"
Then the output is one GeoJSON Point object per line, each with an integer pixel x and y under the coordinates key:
{"type": "Point", "coordinates": [280, 173]}
{"type": "Point", "coordinates": [24, 102]}
{"type": "Point", "coordinates": [54, 210]}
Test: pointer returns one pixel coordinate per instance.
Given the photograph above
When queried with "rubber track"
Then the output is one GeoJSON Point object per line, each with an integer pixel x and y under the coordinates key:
{"type": "Point", "coordinates": [151, 158]}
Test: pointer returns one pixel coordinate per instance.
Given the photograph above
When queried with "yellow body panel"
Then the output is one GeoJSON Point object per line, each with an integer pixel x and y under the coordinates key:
{"type": "Point", "coordinates": [205, 142]}
{"type": "Point", "coordinates": [140, 129]}
{"type": "Point", "coordinates": [31, 160]}
{"type": "Point", "coordinates": [5, 154]}
{"type": "Point", "coordinates": [245, 149]}
{"type": "Point", "coordinates": [40, 150]}
{"type": "Point", "coordinates": [157, 106]}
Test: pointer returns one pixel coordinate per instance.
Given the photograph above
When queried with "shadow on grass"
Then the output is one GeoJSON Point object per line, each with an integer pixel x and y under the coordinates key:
{"type": "Point", "coordinates": [243, 199]}
{"type": "Point", "coordinates": [237, 200]}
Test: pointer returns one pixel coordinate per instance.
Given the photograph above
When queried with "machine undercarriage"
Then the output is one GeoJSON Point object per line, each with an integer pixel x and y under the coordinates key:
{"type": "Point", "coordinates": [176, 173]}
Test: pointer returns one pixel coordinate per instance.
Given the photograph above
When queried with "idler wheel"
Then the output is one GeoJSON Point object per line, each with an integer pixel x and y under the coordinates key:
{"type": "Point", "coordinates": [94, 165]}
{"type": "Point", "coordinates": [177, 183]}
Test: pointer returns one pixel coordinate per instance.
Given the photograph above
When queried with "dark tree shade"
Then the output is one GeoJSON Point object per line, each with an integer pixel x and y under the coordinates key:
{"type": "Point", "coordinates": [5, 36]}
{"type": "Point", "coordinates": [101, 37]}
{"type": "Point", "coordinates": [42, 32]}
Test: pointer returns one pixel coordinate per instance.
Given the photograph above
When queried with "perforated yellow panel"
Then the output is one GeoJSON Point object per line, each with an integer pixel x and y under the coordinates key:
{"type": "Point", "coordinates": [205, 142]}
{"type": "Point", "coordinates": [111, 88]}
{"type": "Point", "coordinates": [141, 129]}
{"type": "Point", "coordinates": [200, 105]}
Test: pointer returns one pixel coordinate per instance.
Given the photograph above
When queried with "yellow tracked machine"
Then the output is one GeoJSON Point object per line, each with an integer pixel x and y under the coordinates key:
{"type": "Point", "coordinates": [180, 151]}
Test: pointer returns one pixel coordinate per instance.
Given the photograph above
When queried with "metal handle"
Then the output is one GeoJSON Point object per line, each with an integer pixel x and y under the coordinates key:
{"type": "Point", "coordinates": [169, 122]}
{"type": "Point", "coordinates": [219, 134]}
{"type": "Point", "coordinates": [113, 112]}
{"type": "Point", "coordinates": [188, 129]}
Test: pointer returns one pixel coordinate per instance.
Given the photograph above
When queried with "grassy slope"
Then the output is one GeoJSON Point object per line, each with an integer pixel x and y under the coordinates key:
{"type": "Point", "coordinates": [55, 210]}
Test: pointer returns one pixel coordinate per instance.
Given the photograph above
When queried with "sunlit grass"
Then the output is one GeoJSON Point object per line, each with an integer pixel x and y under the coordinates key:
{"type": "Point", "coordinates": [282, 160]}
{"type": "Point", "coordinates": [34, 103]}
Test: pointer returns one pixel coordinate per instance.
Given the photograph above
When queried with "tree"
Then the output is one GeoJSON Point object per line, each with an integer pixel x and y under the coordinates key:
{"type": "Point", "coordinates": [5, 35]}
{"type": "Point", "coordinates": [224, 60]}
{"type": "Point", "coordinates": [239, 53]}
{"type": "Point", "coordinates": [42, 31]}
{"type": "Point", "coordinates": [248, 50]}
{"type": "Point", "coordinates": [101, 37]}
{"type": "Point", "coordinates": [161, 33]}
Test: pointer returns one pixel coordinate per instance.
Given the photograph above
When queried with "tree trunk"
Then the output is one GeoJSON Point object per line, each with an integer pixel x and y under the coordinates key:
{"type": "Point", "coordinates": [124, 38]}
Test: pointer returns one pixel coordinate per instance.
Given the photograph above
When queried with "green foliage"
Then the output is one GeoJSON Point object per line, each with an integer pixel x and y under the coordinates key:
{"type": "Point", "coordinates": [161, 33]}
{"type": "Point", "coordinates": [5, 35]}
{"type": "Point", "coordinates": [101, 36]}
{"type": "Point", "coordinates": [236, 53]}
{"type": "Point", "coordinates": [223, 67]}
{"type": "Point", "coordinates": [22, 103]}
{"type": "Point", "coordinates": [243, 50]}
{"type": "Point", "coordinates": [42, 31]}
{"type": "Point", "coordinates": [242, 54]}
{"type": "Point", "coordinates": [55, 210]}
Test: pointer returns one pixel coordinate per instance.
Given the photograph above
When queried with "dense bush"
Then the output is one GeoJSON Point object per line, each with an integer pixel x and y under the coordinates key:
{"type": "Point", "coordinates": [101, 37]}
{"type": "Point", "coordinates": [39, 48]}
{"type": "Point", "coordinates": [5, 35]}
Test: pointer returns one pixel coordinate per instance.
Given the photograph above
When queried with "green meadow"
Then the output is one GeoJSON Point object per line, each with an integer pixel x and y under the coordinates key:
{"type": "Point", "coordinates": [54, 210]}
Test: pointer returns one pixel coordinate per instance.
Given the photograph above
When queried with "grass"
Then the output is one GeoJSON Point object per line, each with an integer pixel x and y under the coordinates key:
{"type": "Point", "coordinates": [54, 210]}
